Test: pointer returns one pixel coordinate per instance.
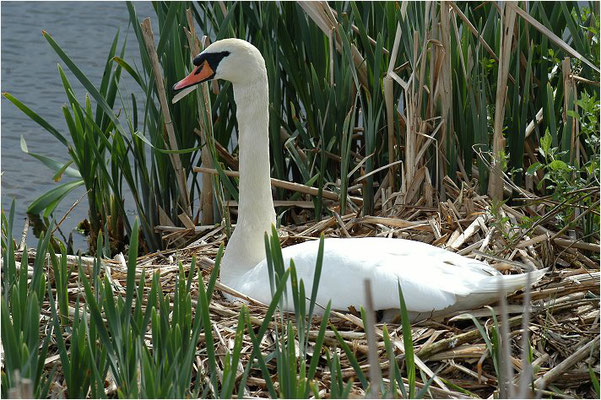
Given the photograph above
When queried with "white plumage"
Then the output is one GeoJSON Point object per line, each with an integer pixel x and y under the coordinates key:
{"type": "Point", "coordinates": [434, 281]}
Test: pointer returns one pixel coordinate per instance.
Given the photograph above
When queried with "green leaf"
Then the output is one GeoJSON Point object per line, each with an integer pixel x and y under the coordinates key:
{"type": "Point", "coordinates": [203, 300]}
{"type": "Point", "coordinates": [549, 114]}
{"type": "Point", "coordinates": [545, 144]}
{"type": "Point", "coordinates": [594, 380]}
{"type": "Point", "coordinates": [558, 165]}
{"type": "Point", "coordinates": [9, 338]}
{"type": "Point", "coordinates": [407, 343]}
{"type": "Point", "coordinates": [228, 386]}
{"type": "Point", "coordinates": [49, 162]}
{"type": "Point", "coordinates": [351, 357]}
{"type": "Point", "coordinates": [125, 65]}
{"type": "Point", "coordinates": [36, 118]}
{"type": "Point", "coordinates": [143, 138]}
{"type": "Point", "coordinates": [51, 198]}
{"type": "Point", "coordinates": [131, 270]}
{"type": "Point", "coordinates": [83, 79]}
{"type": "Point", "coordinates": [58, 176]}
{"type": "Point", "coordinates": [317, 275]}
{"type": "Point", "coordinates": [533, 168]}
{"type": "Point", "coordinates": [319, 341]}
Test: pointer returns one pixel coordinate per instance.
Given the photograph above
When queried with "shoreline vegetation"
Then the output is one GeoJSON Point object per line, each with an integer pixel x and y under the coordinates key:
{"type": "Point", "coordinates": [469, 126]}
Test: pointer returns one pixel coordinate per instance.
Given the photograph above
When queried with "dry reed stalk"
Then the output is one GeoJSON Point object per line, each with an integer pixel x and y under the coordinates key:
{"type": "Point", "coordinates": [23, 241]}
{"type": "Point", "coordinates": [444, 90]}
{"type": "Point", "coordinates": [229, 159]}
{"type": "Point", "coordinates": [553, 37]}
{"type": "Point", "coordinates": [473, 29]}
{"type": "Point", "coordinates": [495, 182]}
{"type": "Point", "coordinates": [394, 222]}
{"type": "Point", "coordinates": [297, 187]}
{"type": "Point", "coordinates": [206, 193]}
{"type": "Point", "coordinates": [532, 124]}
{"type": "Point", "coordinates": [559, 369]}
{"type": "Point", "coordinates": [569, 99]}
{"type": "Point", "coordinates": [413, 173]}
{"type": "Point", "coordinates": [321, 13]}
{"type": "Point", "coordinates": [58, 224]}
{"type": "Point", "coordinates": [375, 374]}
{"type": "Point", "coordinates": [389, 101]}
{"type": "Point", "coordinates": [146, 26]}
{"type": "Point", "coordinates": [387, 88]}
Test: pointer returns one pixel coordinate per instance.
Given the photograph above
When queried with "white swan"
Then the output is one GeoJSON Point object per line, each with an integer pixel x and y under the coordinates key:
{"type": "Point", "coordinates": [433, 280]}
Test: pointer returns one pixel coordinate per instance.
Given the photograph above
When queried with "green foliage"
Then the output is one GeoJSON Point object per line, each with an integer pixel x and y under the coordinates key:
{"type": "Point", "coordinates": [149, 341]}
{"type": "Point", "coordinates": [108, 148]}
{"type": "Point", "coordinates": [327, 110]}
{"type": "Point", "coordinates": [295, 377]}
{"type": "Point", "coordinates": [569, 184]}
{"type": "Point", "coordinates": [594, 380]}
{"type": "Point", "coordinates": [395, 376]}
{"type": "Point", "coordinates": [22, 297]}
{"type": "Point", "coordinates": [407, 343]}
{"type": "Point", "coordinates": [327, 129]}
{"type": "Point", "coordinates": [89, 147]}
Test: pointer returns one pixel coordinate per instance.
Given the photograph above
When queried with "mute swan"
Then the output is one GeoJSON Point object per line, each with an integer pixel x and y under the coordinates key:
{"type": "Point", "coordinates": [434, 281]}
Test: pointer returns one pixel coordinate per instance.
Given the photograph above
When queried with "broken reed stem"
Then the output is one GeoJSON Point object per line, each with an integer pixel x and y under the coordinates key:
{"type": "Point", "coordinates": [58, 224]}
{"type": "Point", "coordinates": [160, 85]}
{"type": "Point", "coordinates": [560, 368]}
{"type": "Point", "coordinates": [297, 187]}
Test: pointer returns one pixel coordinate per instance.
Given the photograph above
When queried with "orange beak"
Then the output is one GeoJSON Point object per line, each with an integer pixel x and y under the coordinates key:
{"type": "Point", "coordinates": [200, 74]}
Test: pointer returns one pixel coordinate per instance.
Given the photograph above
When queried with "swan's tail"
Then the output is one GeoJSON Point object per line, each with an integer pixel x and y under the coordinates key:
{"type": "Point", "coordinates": [510, 283]}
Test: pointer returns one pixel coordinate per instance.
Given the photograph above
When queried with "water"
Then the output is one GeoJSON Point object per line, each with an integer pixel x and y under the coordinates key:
{"type": "Point", "coordinates": [29, 72]}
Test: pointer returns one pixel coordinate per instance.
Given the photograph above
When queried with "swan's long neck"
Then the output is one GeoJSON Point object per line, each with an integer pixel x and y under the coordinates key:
{"type": "Point", "coordinates": [256, 214]}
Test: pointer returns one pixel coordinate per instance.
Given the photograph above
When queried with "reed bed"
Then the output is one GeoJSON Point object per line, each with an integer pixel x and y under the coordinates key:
{"type": "Point", "coordinates": [367, 99]}
{"type": "Point", "coordinates": [472, 127]}
{"type": "Point", "coordinates": [458, 356]}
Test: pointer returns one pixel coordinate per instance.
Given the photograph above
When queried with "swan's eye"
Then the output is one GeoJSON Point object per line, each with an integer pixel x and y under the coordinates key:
{"type": "Point", "coordinates": [206, 65]}
{"type": "Point", "coordinates": [212, 58]}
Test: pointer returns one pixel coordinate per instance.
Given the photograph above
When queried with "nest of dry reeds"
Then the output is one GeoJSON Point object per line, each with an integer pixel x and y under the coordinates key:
{"type": "Point", "coordinates": [563, 321]}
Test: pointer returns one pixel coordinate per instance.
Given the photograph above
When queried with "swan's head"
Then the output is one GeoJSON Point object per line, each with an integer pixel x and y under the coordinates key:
{"type": "Point", "coordinates": [233, 60]}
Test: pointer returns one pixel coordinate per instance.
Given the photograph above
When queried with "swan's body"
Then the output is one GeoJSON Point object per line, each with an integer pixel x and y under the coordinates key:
{"type": "Point", "coordinates": [433, 280]}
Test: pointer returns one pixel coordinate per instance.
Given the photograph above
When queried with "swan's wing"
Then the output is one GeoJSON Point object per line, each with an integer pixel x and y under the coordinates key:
{"type": "Point", "coordinates": [431, 278]}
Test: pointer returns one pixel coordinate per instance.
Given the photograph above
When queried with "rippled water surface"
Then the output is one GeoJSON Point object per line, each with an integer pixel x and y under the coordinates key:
{"type": "Point", "coordinates": [29, 72]}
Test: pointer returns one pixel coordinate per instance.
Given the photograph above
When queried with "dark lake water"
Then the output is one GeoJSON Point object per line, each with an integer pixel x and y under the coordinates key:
{"type": "Point", "coordinates": [85, 30]}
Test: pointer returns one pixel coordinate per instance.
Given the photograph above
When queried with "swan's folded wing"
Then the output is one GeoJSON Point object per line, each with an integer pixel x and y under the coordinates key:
{"type": "Point", "coordinates": [431, 278]}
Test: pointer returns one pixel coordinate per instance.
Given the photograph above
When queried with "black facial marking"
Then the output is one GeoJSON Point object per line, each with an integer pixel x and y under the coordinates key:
{"type": "Point", "coordinates": [212, 58]}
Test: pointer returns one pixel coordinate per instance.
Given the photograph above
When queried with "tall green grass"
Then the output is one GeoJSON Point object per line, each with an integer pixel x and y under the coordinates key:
{"type": "Point", "coordinates": [329, 118]}
{"type": "Point", "coordinates": [120, 143]}
{"type": "Point", "coordinates": [22, 298]}
{"type": "Point", "coordinates": [146, 342]}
